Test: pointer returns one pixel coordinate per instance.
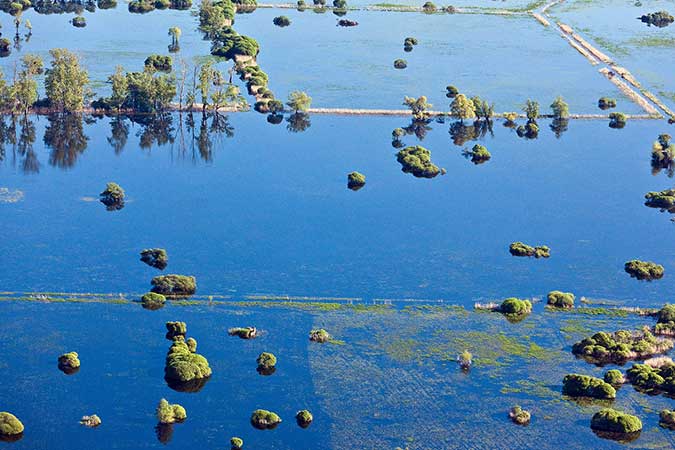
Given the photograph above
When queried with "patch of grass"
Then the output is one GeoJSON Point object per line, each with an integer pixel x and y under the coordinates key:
{"type": "Point", "coordinates": [653, 41]}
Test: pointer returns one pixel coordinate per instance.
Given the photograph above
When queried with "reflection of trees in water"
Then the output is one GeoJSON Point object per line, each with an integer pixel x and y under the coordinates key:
{"type": "Point", "coordinates": [211, 125]}
{"type": "Point", "coordinates": [559, 126]}
{"type": "Point", "coordinates": [27, 138]}
{"type": "Point", "coordinates": [156, 129]}
{"type": "Point", "coordinates": [462, 133]}
{"type": "Point", "coordinates": [119, 134]}
{"type": "Point", "coordinates": [419, 128]}
{"type": "Point", "coordinates": [65, 136]}
{"type": "Point", "coordinates": [298, 122]}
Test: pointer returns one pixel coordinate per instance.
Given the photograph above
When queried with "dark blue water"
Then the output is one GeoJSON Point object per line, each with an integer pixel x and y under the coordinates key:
{"type": "Point", "coordinates": [269, 212]}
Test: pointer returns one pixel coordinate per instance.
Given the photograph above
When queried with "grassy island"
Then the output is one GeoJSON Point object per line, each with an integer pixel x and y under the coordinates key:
{"type": "Point", "coordinates": [112, 197]}
{"type": "Point", "coordinates": [185, 370]}
{"type": "Point", "coordinates": [174, 285]}
{"type": "Point", "coordinates": [168, 413]}
{"type": "Point", "coordinates": [319, 335]}
{"type": "Point", "coordinates": [519, 416]}
{"type": "Point", "coordinates": [644, 270]}
{"type": "Point", "coordinates": [576, 385]}
{"type": "Point", "coordinates": [520, 249]}
{"type": "Point", "coordinates": [558, 299]}
{"type": "Point", "coordinates": [304, 418]}
{"type": "Point", "coordinates": [264, 420]}
{"type": "Point", "coordinates": [69, 363]}
{"type": "Point", "coordinates": [155, 257]}
{"type": "Point", "coordinates": [356, 181]}
{"type": "Point", "coordinates": [621, 346]}
{"type": "Point", "coordinates": [611, 420]}
{"type": "Point", "coordinates": [11, 428]}
{"type": "Point", "coordinates": [416, 160]}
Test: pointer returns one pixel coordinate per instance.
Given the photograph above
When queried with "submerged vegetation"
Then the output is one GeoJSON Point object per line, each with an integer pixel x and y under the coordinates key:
{"type": "Point", "coordinates": [520, 249]}
{"type": "Point", "coordinates": [644, 270]}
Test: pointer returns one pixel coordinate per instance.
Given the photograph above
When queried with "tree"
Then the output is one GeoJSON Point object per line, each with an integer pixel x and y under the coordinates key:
{"type": "Point", "coordinates": [175, 33]}
{"type": "Point", "coordinates": [205, 80]}
{"type": "Point", "coordinates": [462, 108]}
{"type": "Point", "coordinates": [120, 88]}
{"type": "Point", "coordinates": [531, 109]}
{"type": "Point", "coordinates": [482, 108]}
{"type": "Point", "coordinates": [299, 101]}
{"type": "Point", "coordinates": [24, 90]}
{"type": "Point", "coordinates": [418, 107]}
{"type": "Point", "coordinates": [560, 109]}
{"type": "Point", "coordinates": [65, 82]}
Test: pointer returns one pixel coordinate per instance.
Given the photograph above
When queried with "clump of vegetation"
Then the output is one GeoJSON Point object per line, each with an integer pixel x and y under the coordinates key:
{"type": "Point", "coordinates": [644, 270]}
{"type": "Point", "coordinates": [155, 257]}
{"type": "Point", "coordinates": [236, 443]}
{"type": "Point", "coordinates": [69, 363]}
{"type": "Point", "coordinates": [478, 154]}
{"type": "Point", "coordinates": [529, 131]}
{"type": "Point", "coordinates": [515, 306]}
{"type": "Point", "coordinates": [462, 108]}
{"type": "Point", "coordinates": [409, 43]}
{"type": "Point", "coordinates": [417, 161]}
{"type": "Point", "coordinates": [174, 285]}
{"type": "Point", "coordinates": [228, 43]}
{"type": "Point", "coordinates": [112, 197]}
{"type": "Point", "coordinates": [665, 200]}
{"type": "Point", "coordinates": [614, 421]}
{"type": "Point", "coordinates": [184, 367]}
{"type": "Point", "coordinates": [658, 19]}
{"type": "Point", "coordinates": [174, 329]}
{"type": "Point", "coordinates": [299, 101]}
{"type": "Point", "coordinates": [465, 359]}
{"type": "Point", "coordinates": [606, 103]}
{"type": "Point", "coordinates": [90, 421]}
{"type": "Point", "coordinates": [614, 377]}
{"type": "Point", "coordinates": [419, 107]}
{"type": "Point", "coordinates": [400, 64]}
{"type": "Point", "coordinates": [304, 418]}
{"type": "Point", "coordinates": [510, 119]}
{"type": "Point", "coordinates": [168, 413]}
{"type": "Point", "coordinates": [347, 23]}
{"type": "Point", "coordinates": [281, 21]}
{"type": "Point", "coordinates": [519, 416]}
{"type": "Point", "coordinates": [243, 333]}
{"type": "Point", "coordinates": [79, 22]}
{"type": "Point", "coordinates": [451, 91]}
{"type": "Point", "coordinates": [667, 419]}
{"type": "Point", "coordinates": [663, 154]}
{"type": "Point", "coordinates": [153, 301]}
{"type": "Point", "coordinates": [429, 7]}
{"type": "Point", "coordinates": [621, 346]}
{"type": "Point", "coordinates": [266, 361]}
{"type": "Point", "coordinates": [11, 428]}
{"type": "Point", "coordinates": [617, 120]}
{"type": "Point", "coordinates": [356, 180]}
{"type": "Point", "coordinates": [665, 324]}
{"type": "Point", "coordinates": [560, 108]}
{"type": "Point", "coordinates": [319, 335]}
{"type": "Point", "coordinates": [653, 379]}
{"type": "Point", "coordinates": [264, 420]}
{"type": "Point", "coordinates": [141, 6]}
{"type": "Point", "coordinates": [558, 299]}
{"type": "Point", "coordinates": [520, 249]}
{"type": "Point", "coordinates": [159, 63]}
{"type": "Point", "coordinates": [576, 385]}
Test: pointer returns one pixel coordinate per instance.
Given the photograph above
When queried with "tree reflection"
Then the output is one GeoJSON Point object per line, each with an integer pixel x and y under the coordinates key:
{"type": "Point", "coordinates": [25, 146]}
{"type": "Point", "coordinates": [559, 126]}
{"type": "Point", "coordinates": [462, 133]}
{"type": "Point", "coordinates": [156, 129]}
{"type": "Point", "coordinates": [119, 133]}
{"type": "Point", "coordinates": [298, 122]}
{"type": "Point", "coordinates": [419, 128]}
{"type": "Point", "coordinates": [65, 136]}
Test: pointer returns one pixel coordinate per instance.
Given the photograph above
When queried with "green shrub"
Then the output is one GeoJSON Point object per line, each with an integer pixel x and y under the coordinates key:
{"type": "Point", "coordinates": [519, 416]}
{"type": "Point", "coordinates": [228, 44]}
{"type": "Point", "coordinates": [69, 362]}
{"type": "Point", "coordinates": [236, 443]}
{"type": "Point", "coordinates": [667, 419]}
{"type": "Point", "coordinates": [264, 420]}
{"type": "Point", "coordinates": [355, 181]}
{"type": "Point", "coordinates": [176, 329]}
{"type": "Point", "coordinates": [575, 385]}
{"type": "Point", "coordinates": [520, 249]}
{"type": "Point", "coordinates": [400, 64]}
{"type": "Point", "coordinates": [79, 22]}
{"type": "Point", "coordinates": [281, 21]}
{"type": "Point", "coordinates": [152, 300]}
{"type": "Point", "coordinates": [416, 160]}
{"type": "Point", "coordinates": [155, 257]}
{"type": "Point", "coordinates": [478, 154]}
{"type": "Point", "coordinates": [174, 285]}
{"type": "Point", "coordinates": [614, 377]}
{"type": "Point", "coordinates": [614, 421]}
{"type": "Point", "coordinates": [620, 346]}
{"type": "Point", "coordinates": [644, 270]}
{"type": "Point", "coordinates": [319, 335]}
{"type": "Point", "coordinates": [515, 306]}
{"type": "Point", "coordinates": [429, 7]}
{"type": "Point", "coordinates": [606, 103]}
{"type": "Point", "coordinates": [10, 425]}
{"type": "Point", "coordinates": [560, 299]}
{"type": "Point", "coordinates": [266, 360]}
{"type": "Point", "coordinates": [304, 418]}
{"type": "Point", "coordinates": [159, 63]}
{"type": "Point", "coordinates": [183, 366]}
{"type": "Point", "coordinates": [167, 413]}
{"type": "Point", "coordinates": [617, 120]}
{"type": "Point", "coordinates": [113, 196]}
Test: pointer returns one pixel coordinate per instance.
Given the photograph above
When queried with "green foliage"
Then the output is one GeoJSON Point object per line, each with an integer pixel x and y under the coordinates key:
{"type": "Point", "coordinates": [520, 249]}
{"type": "Point", "coordinates": [155, 257]}
{"type": "Point", "coordinates": [482, 108]}
{"type": "Point", "coordinates": [214, 16]}
{"type": "Point", "coordinates": [560, 108]}
{"type": "Point", "coordinates": [263, 419]}
{"type": "Point", "coordinates": [266, 360]}
{"type": "Point", "coordinates": [429, 7]}
{"type": "Point", "coordinates": [659, 19]}
{"type": "Point", "coordinates": [614, 421]}
{"type": "Point", "coordinates": [644, 270]}
{"type": "Point", "coordinates": [575, 385]}
{"type": "Point", "coordinates": [462, 108]}
{"type": "Point", "coordinates": [620, 346]}
{"type": "Point", "coordinates": [519, 416]}
{"type": "Point", "coordinates": [666, 314]}
{"type": "Point", "coordinates": [281, 21]}
{"type": "Point", "coordinates": [478, 154]}
{"type": "Point", "coordinates": [9, 424]}
{"type": "Point", "coordinates": [69, 361]}
{"type": "Point", "coordinates": [465, 359]}
{"type": "Point", "coordinates": [606, 103]}
{"type": "Point", "coordinates": [617, 120]}
{"type": "Point", "coordinates": [664, 199]}
{"type": "Point", "coordinates": [530, 130]}
{"type": "Point", "coordinates": [228, 44]}
{"type": "Point", "coordinates": [120, 88]}
{"type": "Point", "coordinates": [148, 92]}
{"type": "Point", "coordinates": [452, 91]}
{"type": "Point", "coordinates": [559, 299]}
{"type": "Point", "coordinates": [112, 196]}
{"type": "Point", "coordinates": [418, 106]}
{"type": "Point", "coordinates": [153, 300]}
{"type": "Point", "coordinates": [515, 306]}
{"type": "Point", "coordinates": [79, 22]}
{"type": "Point", "coordinates": [356, 180]}
{"type": "Point", "coordinates": [159, 63]}
{"type": "Point", "coordinates": [243, 333]}
{"type": "Point", "coordinates": [183, 366]}
{"type": "Point", "coordinates": [400, 64]}
{"type": "Point", "coordinates": [531, 109]}
{"type": "Point", "coordinates": [65, 82]}
{"type": "Point", "coordinates": [667, 419]}
{"type": "Point", "coordinates": [304, 418]}
{"type": "Point", "coordinates": [417, 161]}
{"type": "Point", "coordinates": [141, 6]}
{"type": "Point", "coordinates": [168, 413]}
{"type": "Point", "coordinates": [319, 335]}
{"type": "Point", "coordinates": [236, 443]}
{"type": "Point", "coordinates": [663, 155]}
{"type": "Point", "coordinates": [176, 329]}
{"type": "Point", "coordinates": [614, 377]}
{"type": "Point", "coordinates": [174, 285]}
{"type": "Point", "coordinates": [299, 101]}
